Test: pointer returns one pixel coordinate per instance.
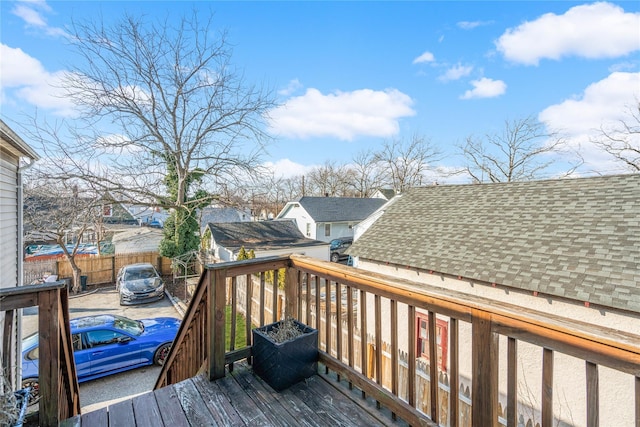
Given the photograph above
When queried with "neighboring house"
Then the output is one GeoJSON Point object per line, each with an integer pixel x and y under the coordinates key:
{"type": "Point", "coordinates": [265, 238]}
{"type": "Point", "coordinates": [139, 239]}
{"type": "Point", "coordinates": [117, 214]}
{"type": "Point", "coordinates": [148, 215]}
{"type": "Point", "coordinates": [327, 218]}
{"type": "Point", "coordinates": [567, 247]}
{"type": "Point", "coordinates": [218, 214]}
{"type": "Point", "coordinates": [384, 193]}
{"type": "Point", "coordinates": [15, 156]}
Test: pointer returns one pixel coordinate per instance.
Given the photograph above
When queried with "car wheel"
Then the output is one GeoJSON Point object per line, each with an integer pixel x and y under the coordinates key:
{"type": "Point", "coordinates": [34, 396]}
{"type": "Point", "coordinates": [161, 354]}
{"type": "Point", "coordinates": [335, 257]}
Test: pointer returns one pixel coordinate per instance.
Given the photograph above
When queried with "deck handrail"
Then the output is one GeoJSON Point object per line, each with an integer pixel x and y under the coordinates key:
{"type": "Point", "coordinates": [57, 380]}
{"type": "Point", "coordinates": [308, 288]}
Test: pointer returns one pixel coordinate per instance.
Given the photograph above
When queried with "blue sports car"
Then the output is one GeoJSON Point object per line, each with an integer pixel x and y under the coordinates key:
{"type": "Point", "coordinates": [106, 344]}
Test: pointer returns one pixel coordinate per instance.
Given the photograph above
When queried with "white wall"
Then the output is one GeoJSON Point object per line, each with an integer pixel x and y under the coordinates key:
{"type": "Point", "coordinates": [616, 389]}
{"type": "Point", "coordinates": [302, 219]}
{"type": "Point", "coordinates": [9, 220]}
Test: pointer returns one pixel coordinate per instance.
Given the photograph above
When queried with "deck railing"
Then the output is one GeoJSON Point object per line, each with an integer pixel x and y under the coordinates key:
{"type": "Point", "coordinates": [57, 380]}
{"type": "Point", "coordinates": [364, 319]}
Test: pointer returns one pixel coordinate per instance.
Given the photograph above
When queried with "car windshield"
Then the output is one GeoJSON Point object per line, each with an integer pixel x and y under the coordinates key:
{"type": "Point", "coordinates": [139, 273]}
{"type": "Point", "coordinates": [134, 327]}
{"type": "Point", "coordinates": [335, 244]}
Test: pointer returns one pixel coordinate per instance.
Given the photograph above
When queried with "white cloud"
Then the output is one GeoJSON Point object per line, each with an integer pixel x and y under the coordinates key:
{"type": "Point", "coordinates": [292, 87]}
{"type": "Point", "coordinates": [425, 57]}
{"type": "Point", "coordinates": [285, 168]}
{"type": "Point", "coordinates": [485, 88]}
{"type": "Point", "coordinates": [31, 82]}
{"type": "Point", "coordinates": [602, 104]}
{"type": "Point", "coordinates": [470, 25]}
{"type": "Point", "coordinates": [456, 72]}
{"type": "Point", "coordinates": [32, 13]}
{"type": "Point", "coordinates": [598, 30]}
{"type": "Point", "coordinates": [342, 115]}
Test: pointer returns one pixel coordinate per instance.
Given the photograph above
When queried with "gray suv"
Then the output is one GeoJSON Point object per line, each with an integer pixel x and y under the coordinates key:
{"type": "Point", "coordinates": [338, 246]}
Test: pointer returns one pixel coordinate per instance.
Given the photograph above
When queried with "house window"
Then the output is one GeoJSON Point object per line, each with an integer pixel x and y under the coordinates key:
{"type": "Point", "coordinates": [442, 339]}
{"type": "Point", "coordinates": [327, 230]}
{"type": "Point", "coordinates": [107, 210]}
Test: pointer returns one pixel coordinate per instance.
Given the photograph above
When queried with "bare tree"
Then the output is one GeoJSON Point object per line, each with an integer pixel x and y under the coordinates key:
{"type": "Point", "coordinates": [62, 211]}
{"type": "Point", "coordinates": [155, 99]}
{"type": "Point", "coordinates": [623, 141]}
{"type": "Point", "coordinates": [329, 180]}
{"type": "Point", "coordinates": [366, 174]}
{"type": "Point", "coordinates": [521, 152]}
{"type": "Point", "coordinates": [406, 162]}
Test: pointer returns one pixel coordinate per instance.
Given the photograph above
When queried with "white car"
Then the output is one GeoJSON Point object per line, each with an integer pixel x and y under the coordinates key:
{"type": "Point", "coordinates": [139, 283]}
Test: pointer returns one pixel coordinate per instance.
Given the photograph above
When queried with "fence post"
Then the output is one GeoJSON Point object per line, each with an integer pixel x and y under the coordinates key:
{"type": "Point", "coordinates": [113, 268]}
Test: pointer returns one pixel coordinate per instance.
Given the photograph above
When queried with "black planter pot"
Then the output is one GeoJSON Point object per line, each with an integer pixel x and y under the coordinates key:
{"type": "Point", "coordinates": [284, 364]}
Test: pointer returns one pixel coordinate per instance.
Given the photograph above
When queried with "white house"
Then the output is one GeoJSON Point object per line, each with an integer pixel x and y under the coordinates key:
{"type": "Point", "coordinates": [566, 247]}
{"type": "Point", "coordinates": [15, 157]}
{"type": "Point", "coordinates": [265, 238]}
{"type": "Point", "coordinates": [327, 218]}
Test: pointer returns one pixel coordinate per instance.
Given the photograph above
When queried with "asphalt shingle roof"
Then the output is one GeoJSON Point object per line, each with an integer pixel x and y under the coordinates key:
{"type": "Point", "coordinates": [336, 209]}
{"type": "Point", "coordinates": [260, 235]}
{"type": "Point", "coordinates": [572, 238]}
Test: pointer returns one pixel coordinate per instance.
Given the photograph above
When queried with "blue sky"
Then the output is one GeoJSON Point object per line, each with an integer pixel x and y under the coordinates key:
{"type": "Point", "coordinates": [351, 75]}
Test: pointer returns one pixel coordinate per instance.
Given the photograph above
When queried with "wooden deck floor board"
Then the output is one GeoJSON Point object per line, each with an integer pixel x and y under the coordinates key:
{"type": "Point", "coordinates": [218, 403]}
{"type": "Point", "coordinates": [239, 399]}
{"type": "Point", "coordinates": [146, 411]}
{"type": "Point", "coordinates": [170, 408]}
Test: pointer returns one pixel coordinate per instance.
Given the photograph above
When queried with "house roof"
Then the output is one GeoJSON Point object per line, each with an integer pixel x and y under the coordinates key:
{"type": "Point", "coordinates": [572, 238]}
{"type": "Point", "coordinates": [339, 209]}
{"type": "Point", "coordinates": [262, 235]}
{"type": "Point", "coordinates": [139, 239]}
{"type": "Point", "coordinates": [212, 214]}
{"type": "Point", "coordinates": [14, 144]}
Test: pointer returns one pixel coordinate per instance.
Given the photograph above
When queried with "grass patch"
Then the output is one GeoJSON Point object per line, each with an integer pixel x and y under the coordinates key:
{"type": "Point", "coordinates": [241, 333]}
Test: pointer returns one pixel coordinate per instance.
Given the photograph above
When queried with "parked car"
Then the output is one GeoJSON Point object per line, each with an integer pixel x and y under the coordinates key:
{"type": "Point", "coordinates": [105, 345]}
{"type": "Point", "coordinates": [139, 283]}
{"type": "Point", "coordinates": [338, 246]}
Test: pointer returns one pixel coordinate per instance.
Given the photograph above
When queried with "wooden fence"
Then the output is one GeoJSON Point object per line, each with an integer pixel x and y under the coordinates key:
{"type": "Point", "coordinates": [99, 269]}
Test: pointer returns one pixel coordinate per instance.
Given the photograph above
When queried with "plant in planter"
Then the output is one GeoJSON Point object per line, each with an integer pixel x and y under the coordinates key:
{"type": "Point", "coordinates": [285, 353]}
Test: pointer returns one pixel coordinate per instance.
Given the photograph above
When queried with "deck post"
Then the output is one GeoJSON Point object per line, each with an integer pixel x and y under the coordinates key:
{"type": "Point", "coordinates": [49, 367]}
{"type": "Point", "coordinates": [217, 300]}
{"type": "Point", "coordinates": [484, 393]}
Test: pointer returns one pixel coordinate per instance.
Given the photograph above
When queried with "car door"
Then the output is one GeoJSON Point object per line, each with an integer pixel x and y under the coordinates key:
{"type": "Point", "coordinates": [110, 350]}
{"type": "Point", "coordinates": [81, 355]}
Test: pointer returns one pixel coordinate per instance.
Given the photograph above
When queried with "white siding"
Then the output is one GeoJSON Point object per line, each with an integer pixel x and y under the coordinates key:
{"type": "Point", "coordinates": [8, 219]}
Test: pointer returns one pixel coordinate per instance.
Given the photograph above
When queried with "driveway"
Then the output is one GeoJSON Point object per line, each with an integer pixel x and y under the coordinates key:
{"type": "Point", "coordinates": [103, 391]}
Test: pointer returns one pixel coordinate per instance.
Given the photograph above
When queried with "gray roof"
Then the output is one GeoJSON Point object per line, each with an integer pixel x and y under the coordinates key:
{"type": "Point", "coordinates": [212, 214]}
{"type": "Point", "coordinates": [262, 235]}
{"type": "Point", "coordinates": [338, 209]}
{"type": "Point", "coordinates": [572, 238]}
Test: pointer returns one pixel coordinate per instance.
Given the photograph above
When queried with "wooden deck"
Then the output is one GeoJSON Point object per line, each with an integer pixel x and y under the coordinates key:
{"type": "Point", "coordinates": [241, 398]}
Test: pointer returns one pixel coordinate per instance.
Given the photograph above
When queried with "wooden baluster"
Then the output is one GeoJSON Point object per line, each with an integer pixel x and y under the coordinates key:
{"type": "Point", "coordinates": [512, 382]}
{"type": "Point", "coordinates": [454, 380]}
{"type": "Point", "coordinates": [484, 354]}
{"type": "Point", "coordinates": [593, 395]}
{"type": "Point", "coordinates": [433, 368]}
{"type": "Point", "coordinates": [547, 388]}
